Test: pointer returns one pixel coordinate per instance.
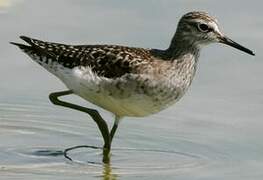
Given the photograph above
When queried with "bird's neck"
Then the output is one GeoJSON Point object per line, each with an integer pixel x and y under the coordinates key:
{"type": "Point", "coordinates": [182, 47]}
{"type": "Point", "coordinates": [184, 55]}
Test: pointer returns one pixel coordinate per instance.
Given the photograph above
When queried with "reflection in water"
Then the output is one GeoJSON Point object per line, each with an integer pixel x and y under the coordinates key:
{"type": "Point", "coordinates": [107, 173]}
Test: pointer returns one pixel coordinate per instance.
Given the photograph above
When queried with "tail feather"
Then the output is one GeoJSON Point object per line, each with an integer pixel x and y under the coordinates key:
{"type": "Point", "coordinates": [32, 42]}
{"type": "Point", "coordinates": [21, 46]}
{"type": "Point", "coordinates": [38, 53]}
{"type": "Point", "coordinates": [27, 39]}
{"type": "Point", "coordinates": [33, 47]}
{"type": "Point", "coordinates": [29, 50]}
{"type": "Point", "coordinates": [47, 53]}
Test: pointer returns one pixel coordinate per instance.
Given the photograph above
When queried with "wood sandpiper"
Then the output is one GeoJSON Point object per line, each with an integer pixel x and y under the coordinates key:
{"type": "Point", "coordinates": [128, 81]}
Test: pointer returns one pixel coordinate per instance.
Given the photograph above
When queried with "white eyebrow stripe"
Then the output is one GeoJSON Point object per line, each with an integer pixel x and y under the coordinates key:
{"type": "Point", "coordinates": [214, 25]}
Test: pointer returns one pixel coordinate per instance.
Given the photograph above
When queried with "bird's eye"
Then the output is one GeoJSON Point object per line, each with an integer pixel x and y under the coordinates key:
{"type": "Point", "coordinates": [203, 27]}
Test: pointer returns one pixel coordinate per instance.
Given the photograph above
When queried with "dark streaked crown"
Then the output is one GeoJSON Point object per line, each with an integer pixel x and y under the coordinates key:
{"type": "Point", "coordinates": [198, 15]}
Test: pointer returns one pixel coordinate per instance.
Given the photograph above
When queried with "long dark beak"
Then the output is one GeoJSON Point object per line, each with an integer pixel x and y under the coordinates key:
{"type": "Point", "coordinates": [228, 41]}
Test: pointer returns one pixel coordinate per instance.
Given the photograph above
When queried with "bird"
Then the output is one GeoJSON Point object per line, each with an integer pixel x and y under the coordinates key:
{"type": "Point", "coordinates": [129, 81]}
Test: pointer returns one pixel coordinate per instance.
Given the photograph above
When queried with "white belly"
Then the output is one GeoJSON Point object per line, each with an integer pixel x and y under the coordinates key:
{"type": "Point", "coordinates": [135, 105]}
{"type": "Point", "coordinates": [125, 96]}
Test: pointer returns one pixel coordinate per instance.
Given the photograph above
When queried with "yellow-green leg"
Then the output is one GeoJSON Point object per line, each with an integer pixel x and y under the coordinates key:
{"type": "Point", "coordinates": [101, 123]}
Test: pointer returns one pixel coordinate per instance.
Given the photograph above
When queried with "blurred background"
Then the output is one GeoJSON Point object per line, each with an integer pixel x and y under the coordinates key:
{"type": "Point", "coordinates": [214, 132]}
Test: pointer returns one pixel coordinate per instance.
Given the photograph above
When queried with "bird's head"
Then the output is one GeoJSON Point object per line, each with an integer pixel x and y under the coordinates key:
{"type": "Point", "coordinates": [199, 29]}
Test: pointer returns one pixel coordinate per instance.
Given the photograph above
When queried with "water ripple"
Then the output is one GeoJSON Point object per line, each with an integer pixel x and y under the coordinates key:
{"type": "Point", "coordinates": [124, 160]}
{"type": "Point", "coordinates": [27, 126]}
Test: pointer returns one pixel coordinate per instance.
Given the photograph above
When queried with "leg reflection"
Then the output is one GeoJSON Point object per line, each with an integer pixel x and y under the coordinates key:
{"type": "Point", "coordinates": [107, 173]}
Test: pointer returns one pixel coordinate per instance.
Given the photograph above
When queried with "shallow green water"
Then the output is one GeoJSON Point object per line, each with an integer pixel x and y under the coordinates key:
{"type": "Point", "coordinates": [214, 132]}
